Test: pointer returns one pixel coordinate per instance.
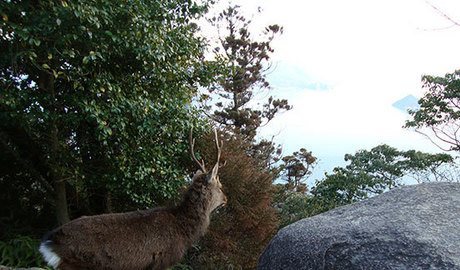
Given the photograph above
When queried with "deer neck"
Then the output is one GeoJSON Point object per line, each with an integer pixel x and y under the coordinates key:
{"type": "Point", "coordinates": [194, 212]}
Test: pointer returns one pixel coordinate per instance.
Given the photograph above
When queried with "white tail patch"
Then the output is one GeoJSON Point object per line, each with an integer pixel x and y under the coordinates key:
{"type": "Point", "coordinates": [50, 257]}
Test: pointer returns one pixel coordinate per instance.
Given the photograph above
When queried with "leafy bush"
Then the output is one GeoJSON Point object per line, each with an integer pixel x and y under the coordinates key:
{"type": "Point", "coordinates": [21, 251]}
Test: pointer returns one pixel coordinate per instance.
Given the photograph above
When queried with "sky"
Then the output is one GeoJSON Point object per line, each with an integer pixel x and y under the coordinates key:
{"type": "Point", "coordinates": [342, 64]}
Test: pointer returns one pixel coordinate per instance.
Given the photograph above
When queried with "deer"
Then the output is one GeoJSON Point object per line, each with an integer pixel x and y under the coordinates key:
{"type": "Point", "coordinates": [154, 239]}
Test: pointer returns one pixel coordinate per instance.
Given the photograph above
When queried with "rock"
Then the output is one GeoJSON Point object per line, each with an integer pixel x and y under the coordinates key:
{"type": "Point", "coordinates": [413, 227]}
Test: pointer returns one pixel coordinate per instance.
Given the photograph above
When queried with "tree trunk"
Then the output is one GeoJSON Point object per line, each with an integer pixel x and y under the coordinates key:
{"type": "Point", "coordinates": [46, 82]}
{"type": "Point", "coordinates": [60, 193]}
{"type": "Point", "coordinates": [61, 208]}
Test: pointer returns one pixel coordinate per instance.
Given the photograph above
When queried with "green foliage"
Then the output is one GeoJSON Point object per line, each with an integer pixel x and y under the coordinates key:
{"type": "Point", "coordinates": [368, 173]}
{"type": "Point", "coordinates": [373, 172]}
{"type": "Point", "coordinates": [343, 187]}
{"type": "Point", "coordinates": [380, 168]}
{"type": "Point", "coordinates": [21, 251]}
{"type": "Point", "coordinates": [438, 117]}
{"type": "Point", "coordinates": [95, 98]}
{"type": "Point", "coordinates": [292, 206]}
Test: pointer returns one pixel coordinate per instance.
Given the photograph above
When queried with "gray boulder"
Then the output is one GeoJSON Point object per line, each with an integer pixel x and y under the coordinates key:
{"type": "Point", "coordinates": [413, 227]}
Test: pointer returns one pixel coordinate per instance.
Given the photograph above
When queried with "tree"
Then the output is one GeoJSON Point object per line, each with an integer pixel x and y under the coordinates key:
{"type": "Point", "coordinates": [425, 167]}
{"type": "Point", "coordinates": [296, 168]}
{"type": "Point", "coordinates": [245, 61]}
{"type": "Point", "coordinates": [242, 78]}
{"type": "Point", "coordinates": [374, 172]}
{"type": "Point", "coordinates": [438, 117]}
{"type": "Point", "coordinates": [240, 232]}
{"type": "Point", "coordinates": [94, 100]}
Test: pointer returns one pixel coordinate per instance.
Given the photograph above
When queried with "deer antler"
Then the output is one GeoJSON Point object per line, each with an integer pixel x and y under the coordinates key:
{"type": "Point", "coordinates": [219, 150]}
{"type": "Point", "coordinates": [192, 151]}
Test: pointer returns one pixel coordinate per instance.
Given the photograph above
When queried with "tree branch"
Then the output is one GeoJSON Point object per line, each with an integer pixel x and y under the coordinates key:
{"type": "Point", "coordinates": [443, 14]}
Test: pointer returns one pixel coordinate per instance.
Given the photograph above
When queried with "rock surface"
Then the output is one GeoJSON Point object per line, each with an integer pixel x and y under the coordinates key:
{"type": "Point", "coordinates": [413, 227]}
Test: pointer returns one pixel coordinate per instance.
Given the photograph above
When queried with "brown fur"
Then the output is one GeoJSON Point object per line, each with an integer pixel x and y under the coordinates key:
{"type": "Point", "coordinates": [150, 239]}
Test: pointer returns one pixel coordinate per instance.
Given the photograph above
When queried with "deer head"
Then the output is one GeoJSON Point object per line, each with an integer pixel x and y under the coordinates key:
{"type": "Point", "coordinates": [218, 197]}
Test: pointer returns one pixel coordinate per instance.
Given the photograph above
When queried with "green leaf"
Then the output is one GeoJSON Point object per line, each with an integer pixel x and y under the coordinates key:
{"type": "Point", "coordinates": [85, 60]}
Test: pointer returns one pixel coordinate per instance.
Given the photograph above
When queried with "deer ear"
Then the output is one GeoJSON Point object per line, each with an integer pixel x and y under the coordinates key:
{"type": "Point", "coordinates": [197, 173]}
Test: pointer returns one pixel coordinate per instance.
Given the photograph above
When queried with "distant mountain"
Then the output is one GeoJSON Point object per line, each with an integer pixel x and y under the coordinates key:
{"type": "Point", "coordinates": [406, 103]}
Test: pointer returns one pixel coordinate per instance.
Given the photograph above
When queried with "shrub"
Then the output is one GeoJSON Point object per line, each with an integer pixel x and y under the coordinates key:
{"type": "Point", "coordinates": [240, 231]}
{"type": "Point", "coordinates": [21, 251]}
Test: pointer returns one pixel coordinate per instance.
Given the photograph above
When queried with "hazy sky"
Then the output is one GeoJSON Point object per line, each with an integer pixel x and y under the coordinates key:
{"type": "Point", "coordinates": [342, 64]}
